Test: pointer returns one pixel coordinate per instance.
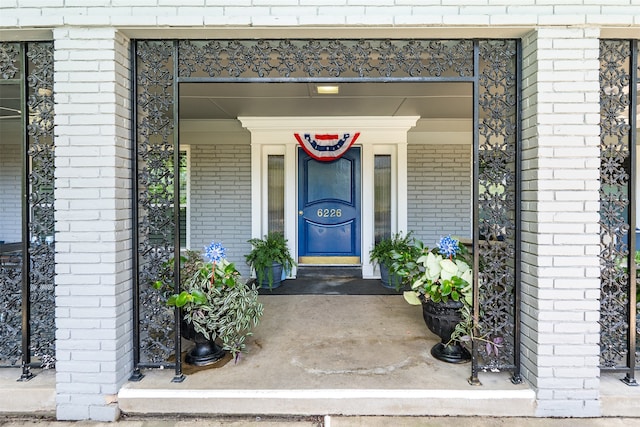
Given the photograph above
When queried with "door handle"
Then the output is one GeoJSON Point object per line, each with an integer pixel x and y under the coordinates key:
{"type": "Point", "coordinates": [301, 213]}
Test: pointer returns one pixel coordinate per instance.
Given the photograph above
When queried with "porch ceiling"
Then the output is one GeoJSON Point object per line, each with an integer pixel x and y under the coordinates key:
{"type": "Point", "coordinates": [220, 101]}
{"type": "Point", "coordinates": [227, 101]}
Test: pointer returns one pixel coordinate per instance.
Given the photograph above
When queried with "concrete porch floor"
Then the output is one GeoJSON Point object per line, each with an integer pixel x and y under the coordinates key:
{"type": "Point", "coordinates": [324, 355]}
{"type": "Point", "coordinates": [333, 354]}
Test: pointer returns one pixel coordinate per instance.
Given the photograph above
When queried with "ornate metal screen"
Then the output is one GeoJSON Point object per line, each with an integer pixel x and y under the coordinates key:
{"type": "Point", "coordinates": [498, 209]}
{"type": "Point", "coordinates": [155, 125]}
{"type": "Point", "coordinates": [619, 77]}
{"type": "Point", "coordinates": [27, 305]}
{"type": "Point", "coordinates": [491, 66]}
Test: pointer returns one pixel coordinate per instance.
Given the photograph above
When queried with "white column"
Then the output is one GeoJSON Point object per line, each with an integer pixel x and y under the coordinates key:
{"type": "Point", "coordinates": [560, 203]}
{"type": "Point", "coordinates": [93, 222]}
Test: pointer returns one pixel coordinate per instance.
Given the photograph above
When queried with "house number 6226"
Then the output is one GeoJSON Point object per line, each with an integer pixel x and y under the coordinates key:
{"type": "Point", "coordinates": [329, 212]}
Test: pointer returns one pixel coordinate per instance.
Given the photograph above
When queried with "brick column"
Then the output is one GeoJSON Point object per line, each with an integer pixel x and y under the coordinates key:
{"type": "Point", "coordinates": [560, 283]}
{"type": "Point", "coordinates": [93, 226]}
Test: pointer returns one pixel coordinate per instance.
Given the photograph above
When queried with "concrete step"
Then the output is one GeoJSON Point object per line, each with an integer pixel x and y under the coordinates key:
{"type": "Point", "coordinates": [36, 397]}
{"type": "Point", "coordinates": [352, 402]}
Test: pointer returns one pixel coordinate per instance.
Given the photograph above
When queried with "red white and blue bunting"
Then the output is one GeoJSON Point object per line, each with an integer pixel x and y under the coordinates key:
{"type": "Point", "coordinates": [326, 147]}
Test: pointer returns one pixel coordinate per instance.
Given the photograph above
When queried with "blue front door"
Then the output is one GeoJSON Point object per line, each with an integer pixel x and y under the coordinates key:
{"type": "Point", "coordinates": [329, 209]}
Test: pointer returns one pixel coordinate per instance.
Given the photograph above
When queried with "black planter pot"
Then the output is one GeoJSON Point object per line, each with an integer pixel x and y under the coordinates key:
{"type": "Point", "coordinates": [441, 319]}
{"type": "Point", "coordinates": [205, 352]}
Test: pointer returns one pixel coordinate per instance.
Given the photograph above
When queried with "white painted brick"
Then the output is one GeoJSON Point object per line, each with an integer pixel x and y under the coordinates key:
{"type": "Point", "coordinates": [182, 19]}
{"type": "Point", "coordinates": [71, 412]}
{"type": "Point", "coordinates": [372, 2]}
{"type": "Point", "coordinates": [274, 3]}
{"type": "Point", "coordinates": [92, 20]}
{"type": "Point", "coordinates": [610, 19]}
{"type": "Point", "coordinates": [418, 20]}
{"type": "Point", "coordinates": [294, 11]}
{"type": "Point", "coordinates": [435, 11]}
{"type": "Point", "coordinates": [466, 20]}
{"type": "Point", "coordinates": [560, 88]}
{"type": "Point", "coordinates": [512, 19]}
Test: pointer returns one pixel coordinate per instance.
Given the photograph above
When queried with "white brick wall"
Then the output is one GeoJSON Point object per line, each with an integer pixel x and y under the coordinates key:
{"type": "Point", "coordinates": [10, 175]}
{"type": "Point", "coordinates": [221, 199]}
{"type": "Point", "coordinates": [93, 227]}
{"type": "Point", "coordinates": [51, 13]}
{"type": "Point", "coordinates": [560, 284]}
{"type": "Point", "coordinates": [439, 191]}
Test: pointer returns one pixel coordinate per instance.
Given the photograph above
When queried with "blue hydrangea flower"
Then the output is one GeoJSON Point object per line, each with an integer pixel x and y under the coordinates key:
{"type": "Point", "coordinates": [448, 246]}
{"type": "Point", "coordinates": [215, 252]}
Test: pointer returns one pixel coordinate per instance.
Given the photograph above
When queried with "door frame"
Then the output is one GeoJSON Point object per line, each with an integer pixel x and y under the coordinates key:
{"type": "Point", "coordinates": [378, 135]}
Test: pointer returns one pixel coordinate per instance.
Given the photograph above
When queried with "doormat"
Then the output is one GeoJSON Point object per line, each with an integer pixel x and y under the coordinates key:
{"type": "Point", "coordinates": [330, 286]}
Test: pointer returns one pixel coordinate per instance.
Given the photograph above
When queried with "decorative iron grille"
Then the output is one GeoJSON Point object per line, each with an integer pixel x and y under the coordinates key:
{"type": "Point", "coordinates": [619, 76]}
{"type": "Point", "coordinates": [27, 300]}
{"type": "Point", "coordinates": [498, 209]}
{"type": "Point", "coordinates": [491, 65]}
{"type": "Point", "coordinates": [155, 124]}
{"type": "Point", "coordinates": [313, 59]}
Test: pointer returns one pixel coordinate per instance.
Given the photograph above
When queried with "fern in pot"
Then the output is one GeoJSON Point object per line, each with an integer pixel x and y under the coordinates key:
{"type": "Point", "coordinates": [391, 254]}
{"type": "Point", "coordinates": [270, 258]}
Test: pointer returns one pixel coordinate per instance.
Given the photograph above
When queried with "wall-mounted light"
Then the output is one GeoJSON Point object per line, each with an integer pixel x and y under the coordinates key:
{"type": "Point", "coordinates": [328, 89]}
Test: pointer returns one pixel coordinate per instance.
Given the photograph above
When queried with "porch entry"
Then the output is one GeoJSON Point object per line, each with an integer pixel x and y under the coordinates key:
{"type": "Point", "coordinates": [491, 66]}
{"type": "Point", "coordinates": [329, 217]}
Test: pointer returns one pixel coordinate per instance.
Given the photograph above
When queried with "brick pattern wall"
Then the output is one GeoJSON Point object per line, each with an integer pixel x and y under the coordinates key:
{"type": "Point", "coordinates": [10, 176]}
{"type": "Point", "coordinates": [439, 191]}
{"type": "Point", "coordinates": [43, 13]}
{"type": "Point", "coordinates": [560, 283]}
{"type": "Point", "coordinates": [221, 199]}
{"type": "Point", "coordinates": [93, 225]}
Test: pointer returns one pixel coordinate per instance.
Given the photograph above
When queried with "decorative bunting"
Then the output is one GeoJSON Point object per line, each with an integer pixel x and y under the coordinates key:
{"type": "Point", "coordinates": [326, 147]}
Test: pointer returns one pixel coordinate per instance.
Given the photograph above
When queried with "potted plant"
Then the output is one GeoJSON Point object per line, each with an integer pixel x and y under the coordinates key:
{"type": "Point", "coordinates": [269, 258]}
{"type": "Point", "coordinates": [442, 285]}
{"type": "Point", "coordinates": [216, 305]}
{"type": "Point", "coordinates": [391, 254]}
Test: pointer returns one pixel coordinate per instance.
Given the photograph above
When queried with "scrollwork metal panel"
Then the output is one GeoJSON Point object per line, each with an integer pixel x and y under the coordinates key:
{"type": "Point", "coordinates": [618, 98]}
{"type": "Point", "coordinates": [41, 201]}
{"type": "Point", "coordinates": [498, 324]}
{"type": "Point", "coordinates": [312, 59]}
{"type": "Point", "coordinates": [11, 71]}
{"type": "Point", "coordinates": [10, 61]}
{"type": "Point", "coordinates": [155, 180]}
{"type": "Point", "coordinates": [32, 294]}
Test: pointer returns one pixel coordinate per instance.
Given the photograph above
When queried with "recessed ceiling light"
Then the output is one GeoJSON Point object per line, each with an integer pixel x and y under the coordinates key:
{"type": "Point", "coordinates": [327, 90]}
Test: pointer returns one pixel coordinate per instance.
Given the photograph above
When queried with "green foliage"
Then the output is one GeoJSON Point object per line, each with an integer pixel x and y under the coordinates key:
{"type": "Point", "coordinates": [214, 298]}
{"type": "Point", "coordinates": [272, 248]}
{"type": "Point", "coordinates": [404, 261]}
{"type": "Point", "coordinates": [637, 258]}
{"type": "Point", "coordinates": [440, 278]}
{"type": "Point", "coordinates": [382, 252]}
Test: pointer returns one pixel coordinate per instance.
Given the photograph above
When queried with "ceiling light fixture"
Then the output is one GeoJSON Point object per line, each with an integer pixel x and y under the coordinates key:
{"type": "Point", "coordinates": [328, 90]}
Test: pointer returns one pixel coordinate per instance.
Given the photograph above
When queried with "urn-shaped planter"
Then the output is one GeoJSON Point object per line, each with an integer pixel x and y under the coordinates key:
{"type": "Point", "coordinates": [441, 319]}
{"type": "Point", "coordinates": [205, 351]}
